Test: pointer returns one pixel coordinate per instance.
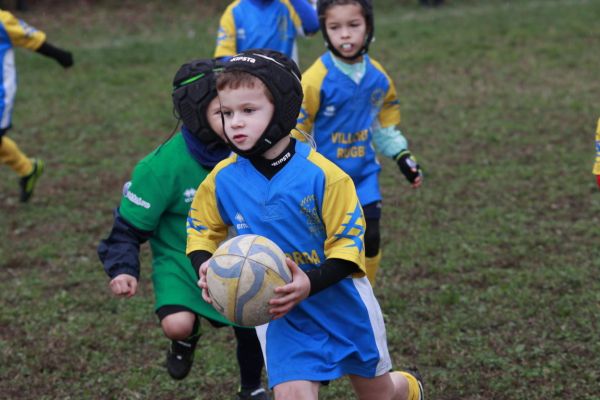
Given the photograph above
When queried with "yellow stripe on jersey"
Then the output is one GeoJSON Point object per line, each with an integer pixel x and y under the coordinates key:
{"type": "Point", "coordinates": [226, 36]}
{"type": "Point", "coordinates": [342, 214]}
{"type": "Point", "coordinates": [312, 81]}
{"type": "Point", "coordinates": [390, 111]}
{"type": "Point", "coordinates": [597, 164]}
{"type": "Point", "coordinates": [20, 33]}
{"type": "Point", "coordinates": [205, 226]}
{"type": "Point", "coordinates": [294, 15]}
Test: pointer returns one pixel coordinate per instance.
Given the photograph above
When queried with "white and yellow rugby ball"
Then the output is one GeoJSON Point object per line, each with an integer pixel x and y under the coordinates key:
{"type": "Point", "coordinates": [242, 276]}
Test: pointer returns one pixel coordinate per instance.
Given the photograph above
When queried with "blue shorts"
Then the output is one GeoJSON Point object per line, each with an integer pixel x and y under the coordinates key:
{"type": "Point", "coordinates": [336, 332]}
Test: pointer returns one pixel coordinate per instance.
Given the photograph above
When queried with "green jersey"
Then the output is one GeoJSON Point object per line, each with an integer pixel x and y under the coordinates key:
{"type": "Point", "coordinates": [158, 199]}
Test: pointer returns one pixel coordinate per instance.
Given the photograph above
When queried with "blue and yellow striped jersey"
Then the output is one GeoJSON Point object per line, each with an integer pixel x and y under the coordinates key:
{"type": "Point", "coordinates": [13, 32]}
{"type": "Point", "coordinates": [309, 208]}
{"type": "Point", "coordinates": [341, 115]}
{"type": "Point", "coordinates": [245, 24]}
{"type": "Point", "coordinates": [597, 163]}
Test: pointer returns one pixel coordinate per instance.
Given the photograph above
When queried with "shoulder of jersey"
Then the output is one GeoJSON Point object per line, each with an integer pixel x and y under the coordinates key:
{"type": "Point", "coordinates": [232, 159]}
{"type": "Point", "coordinates": [328, 167]}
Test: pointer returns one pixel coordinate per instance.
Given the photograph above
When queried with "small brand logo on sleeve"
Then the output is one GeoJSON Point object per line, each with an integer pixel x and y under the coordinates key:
{"type": "Point", "coordinates": [241, 222]}
{"type": "Point", "coordinates": [134, 198]}
{"type": "Point", "coordinates": [188, 195]}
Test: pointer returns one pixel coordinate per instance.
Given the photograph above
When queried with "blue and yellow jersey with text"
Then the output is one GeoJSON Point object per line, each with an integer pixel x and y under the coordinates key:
{"type": "Point", "coordinates": [249, 24]}
{"type": "Point", "coordinates": [311, 210]}
{"type": "Point", "coordinates": [597, 163]}
{"type": "Point", "coordinates": [341, 115]}
{"type": "Point", "coordinates": [13, 32]}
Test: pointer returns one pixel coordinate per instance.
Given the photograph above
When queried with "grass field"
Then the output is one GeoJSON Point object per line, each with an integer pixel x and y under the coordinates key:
{"type": "Point", "coordinates": [490, 278]}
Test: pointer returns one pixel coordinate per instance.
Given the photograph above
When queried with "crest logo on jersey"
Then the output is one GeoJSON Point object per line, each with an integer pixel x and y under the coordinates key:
{"type": "Point", "coordinates": [188, 195]}
{"type": "Point", "coordinates": [329, 111]}
{"type": "Point", "coordinates": [377, 98]}
{"type": "Point", "coordinates": [354, 228]}
{"type": "Point", "coordinates": [241, 222]}
{"type": "Point", "coordinates": [308, 208]}
{"type": "Point", "coordinates": [221, 35]}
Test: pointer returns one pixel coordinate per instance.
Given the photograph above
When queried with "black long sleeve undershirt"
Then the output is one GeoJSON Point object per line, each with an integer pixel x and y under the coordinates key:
{"type": "Point", "coordinates": [198, 258]}
{"type": "Point", "coordinates": [119, 252]}
{"type": "Point", "coordinates": [331, 271]}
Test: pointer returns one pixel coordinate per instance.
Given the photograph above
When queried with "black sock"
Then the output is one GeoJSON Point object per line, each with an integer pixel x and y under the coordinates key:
{"type": "Point", "coordinates": [250, 358]}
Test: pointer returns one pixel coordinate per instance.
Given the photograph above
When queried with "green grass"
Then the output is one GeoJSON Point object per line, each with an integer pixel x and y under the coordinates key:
{"type": "Point", "coordinates": [489, 280]}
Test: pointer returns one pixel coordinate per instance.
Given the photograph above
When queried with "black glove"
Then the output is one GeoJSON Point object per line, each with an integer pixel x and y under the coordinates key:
{"type": "Point", "coordinates": [408, 165]}
{"type": "Point", "coordinates": [63, 57]}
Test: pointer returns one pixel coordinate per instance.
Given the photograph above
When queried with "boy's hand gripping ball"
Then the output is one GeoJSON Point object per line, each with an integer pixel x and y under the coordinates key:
{"type": "Point", "coordinates": [242, 276]}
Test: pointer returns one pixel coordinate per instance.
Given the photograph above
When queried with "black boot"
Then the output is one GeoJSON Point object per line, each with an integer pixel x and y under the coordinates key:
{"type": "Point", "coordinates": [181, 356]}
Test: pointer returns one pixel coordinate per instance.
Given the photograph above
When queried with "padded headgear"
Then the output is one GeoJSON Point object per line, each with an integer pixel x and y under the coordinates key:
{"type": "Point", "coordinates": [193, 88]}
{"type": "Point", "coordinates": [281, 76]}
{"type": "Point", "coordinates": [367, 6]}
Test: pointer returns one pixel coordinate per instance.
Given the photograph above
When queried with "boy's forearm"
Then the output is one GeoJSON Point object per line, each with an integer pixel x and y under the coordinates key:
{"type": "Point", "coordinates": [389, 141]}
{"type": "Point", "coordinates": [119, 252]}
{"type": "Point", "coordinates": [197, 258]}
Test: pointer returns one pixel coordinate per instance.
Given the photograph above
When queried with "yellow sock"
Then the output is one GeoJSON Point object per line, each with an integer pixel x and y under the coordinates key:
{"type": "Point", "coordinates": [414, 389]}
{"type": "Point", "coordinates": [372, 267]}
{"type": "Point", "coordinates": [11, 155]}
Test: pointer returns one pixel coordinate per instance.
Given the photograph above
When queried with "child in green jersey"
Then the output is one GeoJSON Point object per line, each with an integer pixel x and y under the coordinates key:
{"type": "Point", "coordinates": [155, 206]}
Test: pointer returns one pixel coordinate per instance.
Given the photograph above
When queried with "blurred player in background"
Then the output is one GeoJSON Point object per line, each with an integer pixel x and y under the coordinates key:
{"type": "Point", "coordinates": [16, 32]}
{"type": "Point", "coordinates": [597, 163]}
{"type": "Point", "coordinates": [269, 24]}
{"type": "Point", "coordinates": [350, 104]}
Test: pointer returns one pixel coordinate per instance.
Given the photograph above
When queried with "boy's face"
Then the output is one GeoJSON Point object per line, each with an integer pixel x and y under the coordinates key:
{"type": "Point", "coordinates": [346, 27]}
{"type": "Point", "coordinates": [213, 116]}
{"type": "Point", "coordinates": [247, 112]}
